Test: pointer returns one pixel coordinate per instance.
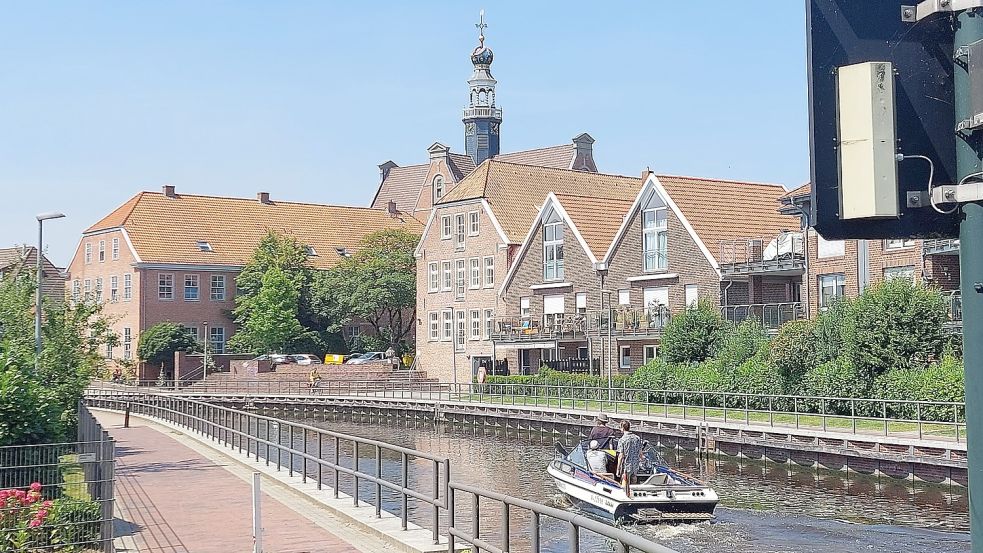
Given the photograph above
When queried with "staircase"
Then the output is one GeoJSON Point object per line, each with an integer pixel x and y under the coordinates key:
{"type": "Point", "coordinates": [286, 375]}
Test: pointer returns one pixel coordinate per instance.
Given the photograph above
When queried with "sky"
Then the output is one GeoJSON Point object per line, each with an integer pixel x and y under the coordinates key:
{"type": "Point", "coordinates": [101, 100]}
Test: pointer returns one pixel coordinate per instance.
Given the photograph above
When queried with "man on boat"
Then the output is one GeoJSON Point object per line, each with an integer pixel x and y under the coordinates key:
{"type": "Point", "coordinates": [602, 432]}
{"type": "Point", "coordinates": [597, 459]}
{"type": "Point", "coordinates": [629, 456]}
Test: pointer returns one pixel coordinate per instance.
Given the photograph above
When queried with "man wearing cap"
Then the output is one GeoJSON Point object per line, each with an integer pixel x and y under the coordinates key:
{"type": "Point", "coordinates": [597, 459]}
{"type": "Point", "coordinates": [602, 432]}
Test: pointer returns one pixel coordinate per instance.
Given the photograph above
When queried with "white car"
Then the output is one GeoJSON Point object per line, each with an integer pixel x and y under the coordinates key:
{"type": "Point", "coordinates": [306, 359]}
{"type": "Point", "coordinates": [369, 357]}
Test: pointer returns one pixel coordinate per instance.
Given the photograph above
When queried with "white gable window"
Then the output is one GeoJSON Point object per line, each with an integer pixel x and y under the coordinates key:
{"type": "Point", "coordinates": [829, 248]}
{"type": "Point", "coordinates": [553, 309]}
{"type": "Point", "coordinates": [445, 227]}
{"type": "Point", "coordinates": [460, 231]}
{"type": "Point", "coordinates": [472, 223]}
{"type": "Point", "coordinates": [102, 251]}
{"type": "Point", "coordinates": [88, 252]}
{"type": "Point", "coordinates": [553, 248]}
{"type": "Point", "coordinates": [489, 272]}
{"type": "Point", "coordinates": [438, 187]}
{"type": "Point", "coordinates": [433, 277]}
{"type": "Point", "coordinates": [115, 249]}
{"type": "Point", "coordinates": [692, 295]}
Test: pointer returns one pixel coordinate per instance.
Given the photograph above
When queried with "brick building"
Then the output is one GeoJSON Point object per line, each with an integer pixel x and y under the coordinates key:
{"type": "Point", "coordinates": [23, 260]}
{"type": "Point", "coordinates": [164, 256]}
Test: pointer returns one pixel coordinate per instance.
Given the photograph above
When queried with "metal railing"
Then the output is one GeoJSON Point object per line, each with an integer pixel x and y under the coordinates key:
{"type": "Point", "coordinates": [955, 311]}
{"type": "Point", "coordinates": [908, 418]}
{"type": "Point", "coordinates": [250, 434]}
{"type": "Point", "coordinates": [771, 315]}
{"type": "Point", "coordinates": [940, 246]}
{"type": "Point", "coordinates": [624, 321]}
{"type": "Point", "coordinates": [782, 252]}
{"type": "Point", "coordinates": [59, 496]}
{"type": "Point", "coordinates": [575, 365]}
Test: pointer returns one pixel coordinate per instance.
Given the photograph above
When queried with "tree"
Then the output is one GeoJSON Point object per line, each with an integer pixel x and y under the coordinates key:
{"type": "Point", "coordinates": [376, 285]}
{"type": "Point", "coordinates": [159, 343]}
{"type": "Point", "coordinates": [693, 335]}
{"type": "Point", "coordinates": [270, 323]}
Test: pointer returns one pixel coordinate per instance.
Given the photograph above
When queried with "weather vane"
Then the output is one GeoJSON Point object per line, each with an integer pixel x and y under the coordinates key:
{"type": "Point", "coordinates": [481, 25]}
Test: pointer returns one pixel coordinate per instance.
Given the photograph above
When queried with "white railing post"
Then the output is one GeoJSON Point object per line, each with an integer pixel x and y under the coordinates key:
{"type": "Point", "coordinates": [257, 515]}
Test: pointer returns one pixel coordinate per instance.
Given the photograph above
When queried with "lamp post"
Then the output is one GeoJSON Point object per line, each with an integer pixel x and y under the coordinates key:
{"type": "Point", "coordinates": [204, 363]}
{"type": "Point", "coordinates": [37, 297]}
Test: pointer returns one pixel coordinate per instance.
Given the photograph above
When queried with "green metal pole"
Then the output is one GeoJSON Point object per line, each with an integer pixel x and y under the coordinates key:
{"type": "Point", "coordinates": [969, 29]}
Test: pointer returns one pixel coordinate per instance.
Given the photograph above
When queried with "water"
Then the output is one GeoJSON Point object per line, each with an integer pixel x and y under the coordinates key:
{"type": "Point", "coordinates": [765, 507]}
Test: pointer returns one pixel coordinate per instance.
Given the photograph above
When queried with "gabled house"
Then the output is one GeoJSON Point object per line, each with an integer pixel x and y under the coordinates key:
{"type": "Point", "coordinates": [22, 260]}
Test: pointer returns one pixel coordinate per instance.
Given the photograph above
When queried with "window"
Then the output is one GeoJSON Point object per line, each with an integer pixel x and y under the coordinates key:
{"type": "Point", "coordinates": [475, 272]}
{"type": "Point", "coordinates": [624, 296]}
{"type": "Point", "coordinates": [459, 280]}
{"type": "Point", "coordinates": [88, 253]}
{"type": "Point", "coordinates": [438, 187]}
{"type": "Point", "coordinates": [193, 331]}
{"type": "Point", "coordinates": [190, 287]}
{"type": "Point", "coordinates": [448, 281]}
{"type": "Point", "coordinates": [898, 244]}
{"type": "Point", "coordinates": [87, 288]}
{"type": "Point", "coordinates": [489, 323]}
{"type": "Point", "coordinates": [76, 290]}
{"type": "Point", "coordinates": [102, 251]}
{"type": "Point", "coordinates": [448, 320]}
{"type": "Point", "coordinates": [655, 238]}
{"type": "Point", "coordinates": [445, 227]}
{"type": "Point", "coordinates": [310, 251]}
{"type": "Point", "coordinates": [582, 352]}
{"type": "Point", "coordinates": [475, 324]}
{"type": "Point", "coordinates": [204, 246]}
{"type": "Point", "coordinates": [827, 248]}
{"type": "Point", "coordinates": [489, 272]}
{"type": "Point", "coordinates": [906, 272]}
{"type": "Point", "coordinates": [650, 352]}
{"type": "Point", "coordinates": [216, 339]}
{"type": "Point", "coordinates": [127, 343]}
{"type": "Point", "coordinates": [354, 332]}
{"type": "Point", "coordinates": [472, 223]}
{"type": "Point", "coordinates": [459, 231]}
{"type": "Point", "coordinates": [217, 292]}
{"type": "Point", "coordinates": [461, 332]}
{"type": "Point", "coordinates": [99, 290]}
{"type": "Point", "coordinates": [115, 249]}
{"type": "Point", "coordinates": [830, 288]}
{"type": "Point", "coordinates": [625, 357]}
{"type": "Point", "coordinates": [109, 350]}
{"type": "Point", "coordinates": [165, 286]}
{"type": "Point", "coordinates": [434, 277]}
{"type": "Point", "coordinates": [113, 289]}
{"type": "Point", "coordinates": [553, 251]}
{"type": "Point", "coordinates": [524, 307]}
{"type": "Point", "coordinates": [692, 295]}
{"type": "Point", "coordinates": [434, 327]}
{"type": "Point", "coordinates": [127, 287]}
{"type": "Point", "coordinates": [581, 303]}
{"type": "Point", "coordinates": [553, 309]}
{"type": "Point", "coordinates": [654, 298]}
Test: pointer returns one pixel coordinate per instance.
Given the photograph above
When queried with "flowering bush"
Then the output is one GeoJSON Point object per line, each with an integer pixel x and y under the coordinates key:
{"type": "Point", "coordinates": [28, 522]}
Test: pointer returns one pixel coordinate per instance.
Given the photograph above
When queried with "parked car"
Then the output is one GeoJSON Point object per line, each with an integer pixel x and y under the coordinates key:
{"type": "Point", "coordinates": [306, 359]}
{"type": "Point", "coordinates": [275, 359]}
{"type": "Point", "coordinates": [367, 358]}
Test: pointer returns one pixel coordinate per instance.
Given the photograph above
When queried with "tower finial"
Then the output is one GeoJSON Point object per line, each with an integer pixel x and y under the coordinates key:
{"type": "Point", "coordinates": [481, 25]}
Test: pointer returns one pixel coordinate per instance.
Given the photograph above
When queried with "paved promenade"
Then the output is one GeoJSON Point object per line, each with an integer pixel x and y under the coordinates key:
{"type": "Point", "coordinates": [176, 496]}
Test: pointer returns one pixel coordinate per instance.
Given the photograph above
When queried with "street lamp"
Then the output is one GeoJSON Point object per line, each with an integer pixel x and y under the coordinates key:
{"type": "Point", "coordinates": [42, 217]}
{"type": "Point", "coordinates": [204, 363]}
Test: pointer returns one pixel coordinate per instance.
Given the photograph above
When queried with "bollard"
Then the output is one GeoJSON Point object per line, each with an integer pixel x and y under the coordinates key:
{"type": "Point", "coordinates": [126, 416]}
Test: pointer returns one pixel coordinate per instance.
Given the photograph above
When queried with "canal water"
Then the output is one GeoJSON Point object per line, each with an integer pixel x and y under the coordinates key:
{"type": "Point", "coordinates": [765, 507]}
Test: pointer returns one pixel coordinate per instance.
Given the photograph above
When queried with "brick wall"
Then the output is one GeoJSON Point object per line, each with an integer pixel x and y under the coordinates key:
{"type": "Point", "coordinates": [942, 271]}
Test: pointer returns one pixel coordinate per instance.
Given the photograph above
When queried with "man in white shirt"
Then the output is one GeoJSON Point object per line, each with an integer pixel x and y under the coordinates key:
{"type": "Point", "coordinates": [597, 459]}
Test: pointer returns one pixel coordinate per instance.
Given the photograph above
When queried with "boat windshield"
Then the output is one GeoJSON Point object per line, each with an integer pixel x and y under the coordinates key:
{"type": "Point", "coordinates": [577, 455]}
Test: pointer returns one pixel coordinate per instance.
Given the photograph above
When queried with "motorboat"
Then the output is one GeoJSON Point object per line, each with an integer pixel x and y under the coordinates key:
{"type": "Point", "coordinates": [661, 494]}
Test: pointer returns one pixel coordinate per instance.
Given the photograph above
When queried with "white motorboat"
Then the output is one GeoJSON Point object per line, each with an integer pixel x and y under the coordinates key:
{"type": "Point", "coordinates": [661, 494]}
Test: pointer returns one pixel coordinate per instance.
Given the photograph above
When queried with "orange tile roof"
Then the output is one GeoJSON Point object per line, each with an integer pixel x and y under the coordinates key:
{"type": "Point", "coordinates": [557, 157]}
{"type": "Point", "coordinates": [598, 219]}
{"type": "Point", "coordinates": [167, 230]}
{"type": "Point", "coordinates": [800, 191]}
{"type": "Point", "coordinates": [516, 192]}
{"type": "Point", "coordinates": [721, 210]}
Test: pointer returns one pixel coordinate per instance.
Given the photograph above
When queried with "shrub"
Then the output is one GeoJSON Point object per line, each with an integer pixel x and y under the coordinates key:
{"type": "Point", "coordinates": [693, 335]}
{"type": "Point", "coordinates": [654, 375]}
{"type": "Point", "coordinates": [828, 331]}
{"type": "Point", "coordinates": [836, 378]}
{"type": "Point", "coordinates": [575, 385]}
{"type": "Point", "coordinates": [941, 381]}
{"type": "Point", "coordinates": [158, 343]}
{"type": "Point", "coordinates": [740, 344]}
{"type": "Point", "coordinates": [27, 414]}
{"type": "Point", "coordinates": [756, 376]}
{"type": "Point", "coordinates": [792, 353]}
{"type": "Point", "coordinates": [895, 325]}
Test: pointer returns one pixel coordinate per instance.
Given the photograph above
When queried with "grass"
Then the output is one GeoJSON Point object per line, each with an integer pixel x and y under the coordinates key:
{"type": "Point", "coordinates": [73, 479]}
{"type": "Point", "coordinates": [718, 414]}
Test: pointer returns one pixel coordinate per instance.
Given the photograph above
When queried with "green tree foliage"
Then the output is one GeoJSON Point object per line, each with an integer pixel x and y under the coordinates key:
{"type": "Point", "coordinates": [942, 381]}
{"type": "Point", "coordinates": [28, 414]}
{"type": "Point", "coordinates": [270, 323]}
{"type": "Point", "coordinates": [274, 250]}
{"type": "Point", "coordinates": [895, 325]}
{"type": "Point", "coordinates": [693, 335]}
{"type": "Point", "coordinates": [828, 331]}
{"type": "Point", "coordinates": [159, 343]}
{"type": "Point", "coordinates": [793, 352]}
{"type": "Point", "coordinates": [377, 284]}
{"type": "Point", "coordinates": [740, 344]}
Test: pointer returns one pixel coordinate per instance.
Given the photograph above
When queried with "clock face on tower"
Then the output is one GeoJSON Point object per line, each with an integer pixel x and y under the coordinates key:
{"type": "Point", "coordinates": [469, 128]}
{"type": "Point", "coordinates": [494, 128]}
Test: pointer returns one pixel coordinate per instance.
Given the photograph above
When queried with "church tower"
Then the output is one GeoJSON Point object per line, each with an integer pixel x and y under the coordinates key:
{"type": "Point", "coordinates": [481, 118]}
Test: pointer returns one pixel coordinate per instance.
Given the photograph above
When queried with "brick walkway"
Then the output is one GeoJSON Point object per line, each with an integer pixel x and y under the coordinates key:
{"type": "Point", "coordinates": [173, 499]}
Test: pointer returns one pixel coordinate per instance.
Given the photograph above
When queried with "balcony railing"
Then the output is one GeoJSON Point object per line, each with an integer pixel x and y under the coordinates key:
{"type": "Point", "coordinates": [955, 301]}
{"type": "Point", "coordinates": [935, 247]}
{"type": "Point", "coordinates": [622, 322]}
{"type": "Point", "coordinates": [771, 315]}
{"type": "Point", "coordinates": [575, 365]}
{"type": "Point", "coordinates": [784, 252]}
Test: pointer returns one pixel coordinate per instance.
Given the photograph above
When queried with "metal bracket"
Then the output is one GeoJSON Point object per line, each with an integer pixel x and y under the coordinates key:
{"type": "Point", "coordinates": [958, 193]}
{"type": "Point", "coordinates": [926, 8]}
{"type": "Point", "coordinates": [917, 198]}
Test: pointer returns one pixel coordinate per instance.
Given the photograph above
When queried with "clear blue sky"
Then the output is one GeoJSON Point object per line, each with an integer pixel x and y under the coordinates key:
{"type": "Point", "coordinates": [304, 99]}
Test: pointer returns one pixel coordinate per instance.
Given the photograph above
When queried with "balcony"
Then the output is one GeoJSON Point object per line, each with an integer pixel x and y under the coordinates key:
{"type": "Point", "coordinates": [783, 254]}
{"type": "Point", "coordinates": [621, 322]}
{"type": "Point", "coordinates": [945, 246]}
{"type": "Point", "coordinates": [955, 311]}
{"type": "Point", "coordinates": [771, 315]}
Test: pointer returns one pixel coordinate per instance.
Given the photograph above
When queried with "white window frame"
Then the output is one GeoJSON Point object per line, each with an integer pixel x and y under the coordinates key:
{"type": "Point", "coordinates": [553, 269]}
{"type": "Point", "coordinates": [109, 350]}
{"type": "Point", "coordinates": [438, 187]}
{"type": "Point", "coordinates": [474, 273]}
{"type": "Point", "coordinates": [460, 232]}
{"type": "Point", "coordinates": [899, 244]}
{"type": "Point", "coordinates": [169, 285]}
{"type": "Point", "coordinates": [127, 343]}
{"type": "Point", "coordinates": [624, 296]}
{"type": "Point", "coordinates": [580, 303]}
{"type": "Point", "coordinates": [460, 278]}
{"type": "Point", "coordinates": [98, 289]}
{"type": "Point", "coordinates": [649, 352]}
{"type": "Point", "coordinates": [655, 240]}
{"type": "Point", "coordinates": [622, 357]}
{"type": "Point", "coordinates": [474, 226]}
{"type": "Point", "coordinates": [524, 306]}
{"type": "Point", "coordinates": [433, 277]}
{"type": "Point", "coordinates": [905, 271]}
{"type": "Point", "coordinates": [212, 289]}
{"type": "Point", "coordinates": [447, 276]}
{"type": "Point", "coordinates": [460, 330]}
{"type": "Point", "coordinates": [193, 330]}
{"type": "Point", "coordinates": [115, 250]}
{"type": "Point", "coordinates": [113, 289]}
{"type": "Point", "coordinates": [76, 289]}
{"type": "Point", "coordinates": [489, 323]}
{"type": "Point", "coordinates": [87, 288]}
{"type": "Point", "coordinates": [216, 339]}
{"type": "Point", "coordinates": [489, 264]}
{"type": "Point", "coordinates": [838, 281]}
{"type": "Point", "coordinates": [434, 321]}
{"type": "Point", "coordinates": [192, 282]}
{"type": "Point", "coordinates": [446, 230]}
{"type": "Point", "coordinates": [447, 325]}
{"type": "Point", "coordinates": [475, 324]}
{"type": "Point", "coordinates": [829, 248]}
{"type": "Point", "coordinates": [694, 299]}
{"type": "Point", "coordinates": [102, 251]}
{"type": "Point", "coordinates": [88, 253]}
{"type": "Point", "coordinates": [127, 286]}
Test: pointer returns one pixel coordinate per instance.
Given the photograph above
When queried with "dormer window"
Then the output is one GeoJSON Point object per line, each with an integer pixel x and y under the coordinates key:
{"type": "Point", "coordinates": [204, 246]}
{"type": "Point", "coordinates": [311, 252]}
{"type": "Point", "coordinates": [343, 252]}
{"type": "Point", "coordinates": [438, 187]}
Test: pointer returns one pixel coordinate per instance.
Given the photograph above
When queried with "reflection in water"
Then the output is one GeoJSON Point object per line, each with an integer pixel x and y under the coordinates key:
{"type": "Point", "coordinates": [765, 506]}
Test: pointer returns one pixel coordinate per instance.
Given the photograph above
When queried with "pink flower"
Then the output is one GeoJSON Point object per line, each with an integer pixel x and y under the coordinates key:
{"type": "Point", "coordinates": [34, 523]}
{"type": "Point", "coordinates": [41, 514]}
{"type": "Point", "coordinates": [47, 504]}
{"type": "Point", "coordinates": [35, 486]}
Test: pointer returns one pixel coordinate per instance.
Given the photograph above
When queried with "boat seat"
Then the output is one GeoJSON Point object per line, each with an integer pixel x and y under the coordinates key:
{"type": "Point", "coordinates": [660, 479]}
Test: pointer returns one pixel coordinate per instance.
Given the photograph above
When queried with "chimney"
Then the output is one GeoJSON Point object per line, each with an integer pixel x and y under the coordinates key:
{"type": "Point", "coordinates": [392, 208]}
{"type": "Point", "coordinates": [168, 190]}
{"type": "Point", "coordinates": [263, 197]}
{"type": "Point", "coordinates": [646, 172]}
{"type": "Point", "coordinates": [385, 168]}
